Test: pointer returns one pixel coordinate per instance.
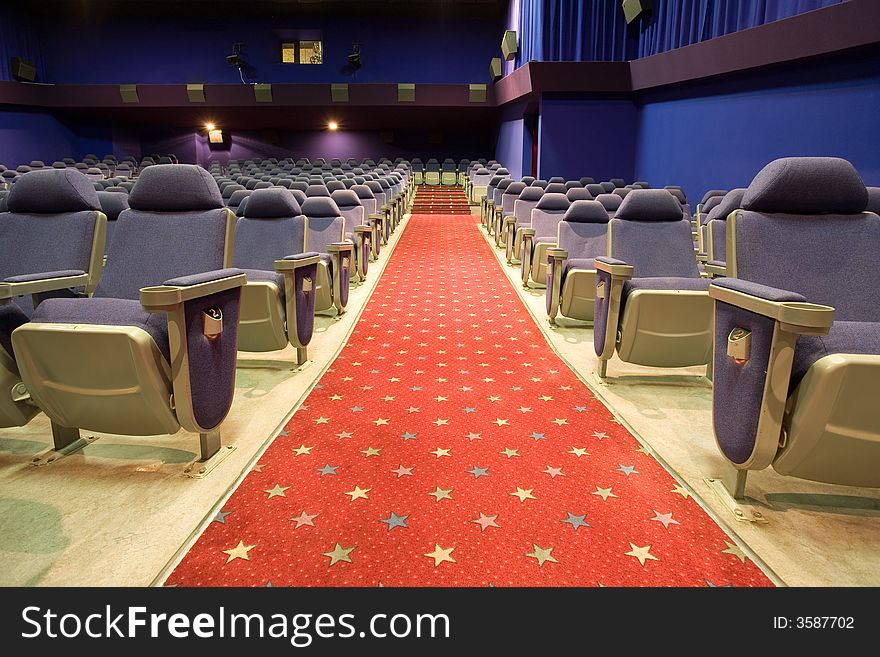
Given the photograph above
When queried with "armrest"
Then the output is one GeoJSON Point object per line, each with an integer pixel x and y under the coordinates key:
{"type": "Point", "coordinates": [556, 253]}
{"type": "Point", "coordinates": [294, 262]}
{"type": "Point", "coordinates": [16, 286]}
{"type": "Point", "coordinates": [374, 217]}
{"type": "Point", "coordinates": [527, 232]}
{"type": "Point", "coordinates": [339, 247]}
{"type": "Point", "coordinates": [158, 298]}
{"type": "Point", "coordinates": [716, 267]}
{"type": "Point", "coordinates": [617, 268]}
{"type": "Point", "coordinates": [790, 309]}
{"type": "Point", "coordinates": [363, 229]}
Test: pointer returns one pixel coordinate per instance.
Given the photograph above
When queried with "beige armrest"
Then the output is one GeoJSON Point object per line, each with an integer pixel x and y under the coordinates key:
{"type": "Point", "coordinates": [616, 271]}
{"type": "Point", "coordinates": [339, 247]}
{"type": "Point", "coordinates": [282, 266]}
{"type": "Point", "coordinates": [158, 297]}
{"type": "Point", "coordinates": [10, 290]}
{"type": "Point", "coordinates": [793, 316]}
{"type": "Point", "coordinates": [556, 253]}
{"type": "Point", "coordinates": [715, 270]}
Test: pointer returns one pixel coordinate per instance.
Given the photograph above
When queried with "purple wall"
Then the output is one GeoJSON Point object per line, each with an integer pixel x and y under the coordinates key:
{"type": "Point", "coordinates": [586, 137]}
{"type": "Point", "coordinates": [181, 50]}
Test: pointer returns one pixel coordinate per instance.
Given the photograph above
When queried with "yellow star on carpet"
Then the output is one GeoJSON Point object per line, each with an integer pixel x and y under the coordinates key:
{"type": "Point", "coordinates": [240, 551]}
{"type": "Point", "coordinates": [494, 398]}
{"type": "Point", "coordinates": [510, 453]}
{"type": "Point", "coordinates": [524, 494]}
{"type": "Point", "coordinates": [643, 554]}
{"type": "Point", "coordinates": [358, 493]}
{"type": "Point", "coordinates": [579, 451]}
{"type": "Point", "coordinates": [501, 422]}
{"type": "Point", "coordinates": [681, 491]}
{"type": "Point", "coordinates": [371, 451]}
{"type": "Point", "coordinates": [276, 491]}
{"type": "Point", "coordinates": [560, 421]}
{"type": "Point", "coordinates": [525, 409]}
{"type": "Point", "coordinates": [380, 421]}
{"type": "Point", "coordinates": [439, 555]}
{"type": "Point", "coordinates": [440, 422]}
{"type": "Point", "coordinates": [545, 398]}
{"type": "Point", "coordinates": [440, 398]}
{"type": "Point", "coordinates": [339, 553]}
{"type": "Point", "coordinates": [542, 555]}
{"type": "Point", "coordinates": [554, 472]}
{"type": "Point", "coordinates": [322, 420]}
{"type": "Point", "coordinates": [735, 550]}
{"type": "Point", "coordinates": [302, 449]}
{"type": "Point", "coordinates": [440, 494]}
{"type": "Point", "coordinates": [335, 397]}
{"type": "Point", "coordinates": [604, 493]}
{"type": "Point", "coordinates": [441, 452]}
{"type": "Point", "coordinates": [412, 409]}
{"type": "Point", "coordinates": [387, 398]}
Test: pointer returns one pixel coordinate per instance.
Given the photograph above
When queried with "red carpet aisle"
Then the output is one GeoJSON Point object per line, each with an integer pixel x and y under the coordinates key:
{"type": "Point", "coordinates": [436, 199]}
{"type": "Point", "coordinates": [449, 446]}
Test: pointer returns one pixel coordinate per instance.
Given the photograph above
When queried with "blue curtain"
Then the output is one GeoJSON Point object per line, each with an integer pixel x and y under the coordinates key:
{"type": "Point", "coordinates": [595, 30]}
{"type": "Point", "coordinates": [18, 39]}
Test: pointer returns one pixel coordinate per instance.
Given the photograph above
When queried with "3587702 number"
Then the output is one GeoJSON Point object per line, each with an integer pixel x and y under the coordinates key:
{"type": "Point", "coordinates": [814, 623]}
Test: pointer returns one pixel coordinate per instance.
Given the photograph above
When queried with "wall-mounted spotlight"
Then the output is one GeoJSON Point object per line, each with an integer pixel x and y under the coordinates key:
{"type": "Point", "coordinates": [209, 127]}
{"type": "Point", "coordinates": [332, 125]}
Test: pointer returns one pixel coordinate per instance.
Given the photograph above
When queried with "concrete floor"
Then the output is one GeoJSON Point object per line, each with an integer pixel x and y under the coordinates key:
{"type": "Point", "coordinates": [122, 512]}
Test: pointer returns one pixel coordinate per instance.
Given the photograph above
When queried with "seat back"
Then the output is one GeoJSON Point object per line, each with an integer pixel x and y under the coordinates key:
{"type": "Point", "coordinates": [481, 177]}
{"type": "Point", "coordinates": [273, 227]}
{"type": "Point", "coordinates": [316, 190]}
{"type": "Point", "coordinates": [707, 207]}
{"type": "Point", "coordinates": [525, 203]}
{"type": "Point", "coordinates": [498, 192]}
{"type": "Point", "coordinates": [649, 232]}
{"type": "Point", "coordinates": [350, 207]}
{"type": "Point", "coordinates": [711, 193]}
{"type": "Point", "coordinates": [51, 224]}
{"type": "Point", "coordinates": [578, 194]}
{"type": "Point", "coordinates": [610, 202]}
{"type": "Point", "coordinates": [326, 223]}
{"type": "Point", "coordinates": [873, 200]}
{"type": "Point", "coordinates": [583, 231]}
{"type": "Point", "coordinates": [803, 228]}
{"type": "Point", "coordinates": [112, 205]}
{"type": "Point", "coordinates": [176, 226]}
{"type": "Point", "coordinates": [548, 213]}
{"type": "Point", "coordinates": [378, 193]}
{"type": "Point", "coordinates": [509, 197]}
{"type": "Point", "coordinates": [717, 216]}
{"type": "Point", "coordinates": [366, 197]}
{"type": "Point", "coordinates": [557, 180]}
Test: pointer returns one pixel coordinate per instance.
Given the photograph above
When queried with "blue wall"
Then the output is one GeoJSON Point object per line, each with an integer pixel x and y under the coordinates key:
{"type": "Point", "coordinates": [150, 50]}
{"type": "Point", "coordinates": [514, 147]}
{"type": "Point", "coordinates": [33, 134]}
{"type": "Point", "coordinates": [721, 134]}
{"type": "Point", "coordinates": [586, 137]}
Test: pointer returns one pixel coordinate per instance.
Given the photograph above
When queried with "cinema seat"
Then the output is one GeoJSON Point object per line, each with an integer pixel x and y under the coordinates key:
{"type": "Point", "coordinates": [578, 194]}
{"type": "Point", "coordinates": [504, 213]}
{"type": "Point", "coordinates": [51, 244]}
{"type": "Point", "coordinates": [487, 202]}
{"type": "Point", "coordinates": [358, 230]}
{"type": "Point", "coordinates": [873, 200]}
{"type": "Point", "coordinates": [495, 217]}
{"type": "Point", "coordinates": [463, 166]}
{"type": "Point", "coordinates": [112, 363]}
{"type": "Point", "coordinates": [478, 185]}
{"type": "Point", "coordinates": [383, 209]}
{"type": "Point", "coordinates": [448, 172]}
{"type": "Point", "coordinates": [651, 305]}
{"type": "Point", "coordinates": [610, 202]}
{"type": "Point", "coordinates": [374, 219]}
{"type": "Point", "coordinates": [432, 172]}
{"type": "Point", "coordinates": [112, 205]}
{"type": "Point", "coordinates": [797, 353]}
{"type": "Point", "coordinates": [326, 235]}
{"type": "Point", "coordinates": [278, 302]}
{"type": "Point", "coordinates": [522, 218]}
{"type": "Point", "coordinates": [582, 236]}
{"type": "Point", "coordinates": [418, 169]}
{"type": "Point", "coordinates": [540, 236]}
{"type": "Point", "coordinates": [716, 231]}
{"type": "Point", "coordinates": [701, 247]}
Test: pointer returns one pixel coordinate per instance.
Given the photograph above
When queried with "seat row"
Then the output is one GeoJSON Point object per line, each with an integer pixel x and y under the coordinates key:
{"type": "Point", "coordinates": [95, 170]}
{"type": "Point", "coordinates": [786, 313]}
{"type": "Point", "coordinates": [144, 340]}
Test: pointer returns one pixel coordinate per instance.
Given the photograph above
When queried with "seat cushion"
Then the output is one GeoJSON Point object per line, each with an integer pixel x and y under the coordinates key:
{"type": "Point", "coordinates": [843, 338]}
{"type": "Point", "coordinates": [663, 283]}
{"type": "Point", "coordinates": [576, 263]}
{"type": "Point", "coordinates": [108, 312]}
{"type": "Point", "coordinates": [11, 317]}
{"type": "Point", "coordinates": [262, 276]}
